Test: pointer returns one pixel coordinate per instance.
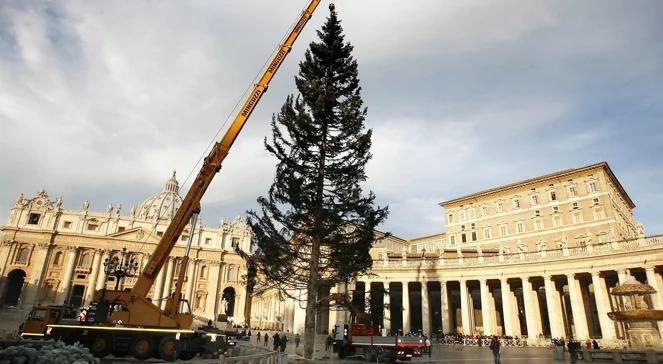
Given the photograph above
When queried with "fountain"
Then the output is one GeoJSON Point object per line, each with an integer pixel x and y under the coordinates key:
{"type": "Point", "coordinates": [634, 313]}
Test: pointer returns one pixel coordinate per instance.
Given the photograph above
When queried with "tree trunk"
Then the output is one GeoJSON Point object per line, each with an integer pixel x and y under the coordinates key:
{"type": "Point", "coordinates": [311, 302]}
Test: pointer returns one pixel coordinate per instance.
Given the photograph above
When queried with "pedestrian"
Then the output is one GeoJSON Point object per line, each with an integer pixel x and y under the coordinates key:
{"type": "Point", "coordinates": [266, 338]}
{"type": "Point", "coordinates": [276, 344]}
{"type": "Point", "coordinates": [283, 342]}
{"type": "Point", "coordinates": [297, 339]}
{"type": "Point", "coordinates": [571, 345]}
{"type": "Point", "coordinates": [328, 342]}
{"type": "Point", "coordinates": [429, 348]}
{"type": "Point", "coordinates": [258, 337]}
{"type": "Point", "coordinates": [496, 348]}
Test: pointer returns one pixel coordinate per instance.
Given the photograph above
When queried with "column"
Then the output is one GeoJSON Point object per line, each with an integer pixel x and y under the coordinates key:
{"type": "Point", "coordinates": [552, 303]}
{"type": "Point", "coordinates": [92, 282]}
{"type": "Point", "coordinates": [621, 274]}
{"type": "Point", "coordinates": [387, 311]}
{"type": "Point", "coordinates": [656, 297]}
{"type": "Point", "coordinates": [191, 277]}
{"type": "Point", "coordinates": [101, 278]}
{"type": "Point", "coordinates": [158, 286]}
{"type": "Point", "coordinates": [425, 309]}
{"type": "Point", "coordinates": [168, 281]}
{"type": "Point", "coordinates": [5, 248]}
{"type": "Point", "coordinates": [603, 306]}
{"type": "Point", "coordinates": [515, 314]}
{"type": "Point", "coordinates": [212, 290]}
{"type": "Point", "coordinates": [406, 309]}
{"type": "Point", "coordinates": [486, 314]}
{"type": "Point", "coordinates": [464, 309]}
{"type": "Point", "coordinates": [38, 261]}
{"type": "Point", "coordinates": [578, 308]}
{"type": "Point", "coordinates": [532, 317]}
{"type": "Point", "coordinates": [507, 308]}
{"type": "Point", "coordinates": [444, 301]}
{"type": "Point", "coordinates": [68, 273]}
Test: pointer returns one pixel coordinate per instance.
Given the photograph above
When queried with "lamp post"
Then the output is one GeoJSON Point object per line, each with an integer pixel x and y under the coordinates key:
{"type": "Point", "coordinates": [120, 268]}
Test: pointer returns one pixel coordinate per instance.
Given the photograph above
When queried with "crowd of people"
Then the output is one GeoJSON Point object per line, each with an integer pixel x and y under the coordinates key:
{"type": "Point", "coordinates": [279, 342]}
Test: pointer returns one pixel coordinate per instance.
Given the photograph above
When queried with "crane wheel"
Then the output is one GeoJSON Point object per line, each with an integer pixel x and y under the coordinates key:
{"type": "Point", "coordinates": [142, 347]}
{"type": "Point", "coordinates": [168, 349]}
{"type": "Point", "coordinates": [100, 346]}
{"type": "Point", "coordinates": [187, 355]}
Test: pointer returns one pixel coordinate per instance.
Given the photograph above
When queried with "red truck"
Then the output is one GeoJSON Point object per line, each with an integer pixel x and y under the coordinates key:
{"type": "Point", "coordinates": [361, 338]}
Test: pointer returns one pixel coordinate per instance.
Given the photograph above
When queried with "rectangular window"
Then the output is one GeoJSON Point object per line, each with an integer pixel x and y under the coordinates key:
{"type": "Point", "coordinates": [470, 213]}
{"type": "Point", "coordinates": [575, 205]}
{"type": "Point", "coordinates": [92, 227]}
{"type": "Point", "coordinates": [557, 220]}
{"type": "Point", "coordinates": [121, 229]}
{"type": "Point", "coordinates": [503, 230]}
{"type": "Point", "coordinates": [208, 241]}
{"type": "Point", "coordinates": [235, 242]}
{"type": "Point", "coordinates": [553, 196]}
{"type": "Point", "coordinates": [452, 240]}
{"type": "Point", "coordinates": [516, 204]}
{"type": "Point", "coordinates": [592, 187]}
{"type": "Point", "coordinates": [500, 207]}
{"type": "Point", "coordinates": [555, 209]}
{"type": "Point", "coordinates": [462, 215]}
{"type": "Point", "coordinates": [537, 212]}
{"type": "Point", "coordinates": [451, 218]}
{"type": "Point", "coordinates": [535, 200]}
{"type": "Point", "coordinates": [484, 210]}
{"type": "Point", "coordinates": [572, 191]}
{"type": "Point", "coordinates": [474, 236]}
{"type": "Point", "coordinates": [577, 218]}
{"type": "Point", "coordinates": [184, 237]}
{"type": "Point", "coordinates": [520, 227]}
{"type": "Point", "coordinates": [67, 225]}
{"type": "Point", "coordinates": [33, 219]}
{"type": "Point", "coordinates": [538, 224]}
{"type": "Point", "coordinates": [595, 201]}
{"type": "Point", "coordinates": [463, 238]}
{"type": "Point", "coordinates": [486, 233]}
{"type": "Point", "coordinates": [598, 214]}
{"type": "Point", "coordinates": [159, 233]}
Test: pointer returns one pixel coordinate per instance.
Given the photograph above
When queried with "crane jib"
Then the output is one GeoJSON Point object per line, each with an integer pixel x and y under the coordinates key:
{"type": "Point", "coordinates": [213, 161]}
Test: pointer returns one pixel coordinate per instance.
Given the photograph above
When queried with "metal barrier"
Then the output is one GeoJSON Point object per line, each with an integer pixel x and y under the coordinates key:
{"type": "Point", "coordinates": [264, 356]}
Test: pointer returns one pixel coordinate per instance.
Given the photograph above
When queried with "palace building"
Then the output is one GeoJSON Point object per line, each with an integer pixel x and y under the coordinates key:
{"type": "Point", "coordinates": [535, 258]}
{"type": "Point", "coordinates": [49, 254]}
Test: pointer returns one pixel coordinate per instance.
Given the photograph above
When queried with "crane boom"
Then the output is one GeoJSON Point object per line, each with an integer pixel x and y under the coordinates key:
{"type": "Point", "coordinates": [212, 163]}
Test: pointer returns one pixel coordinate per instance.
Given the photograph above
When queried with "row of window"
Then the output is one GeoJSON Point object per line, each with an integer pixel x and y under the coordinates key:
{"type": "Point", "coordinates": [538, 224]}
{"type": "Point", "coordinates": [468, 213]}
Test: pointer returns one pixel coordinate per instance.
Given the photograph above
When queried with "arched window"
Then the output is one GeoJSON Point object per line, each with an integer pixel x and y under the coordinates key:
{"type": "Point", "coordinates": [232, 274]}
{"type": "Point", "coordinates": [57, 259]}
{"type": "Point", "coordinates": [22, 256]}
{"type": "Point", "coordinates": [203, 272]}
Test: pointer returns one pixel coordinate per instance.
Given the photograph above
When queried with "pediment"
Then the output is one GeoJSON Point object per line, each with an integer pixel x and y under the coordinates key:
{"type": "Point", "coordinates": [136, 234]}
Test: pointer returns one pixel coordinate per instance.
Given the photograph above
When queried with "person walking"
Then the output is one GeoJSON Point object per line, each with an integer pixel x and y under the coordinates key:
{"type": "Point", "coordinates": [283, 342]}
{"type": "Point", "coordinates": [276, 341]}
{"type": "Point", "coordinates": [496, 347]}
{"type": "Point", "coordinates": [266, 339]}
{"type": "Point", "coordinates": [328, 342]}
{"type": "Point", "coordinates": [297, 339]}
{"type": "Point", "coordinates": [258, 337]}
{"type": "Point", "coordinates": [429, 348]}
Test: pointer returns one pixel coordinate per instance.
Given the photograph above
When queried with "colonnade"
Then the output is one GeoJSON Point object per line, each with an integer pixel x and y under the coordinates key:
{"type": "Point", "coordinates": [551, 305]}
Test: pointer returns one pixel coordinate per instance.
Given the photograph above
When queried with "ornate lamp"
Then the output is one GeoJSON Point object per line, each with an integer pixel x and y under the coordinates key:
{"type": "Point", "coordinates": [120, 267]}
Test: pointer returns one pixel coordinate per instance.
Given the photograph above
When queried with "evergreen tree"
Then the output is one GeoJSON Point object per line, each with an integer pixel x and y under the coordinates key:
{"type": "Point", "coordinates": [316, 226]}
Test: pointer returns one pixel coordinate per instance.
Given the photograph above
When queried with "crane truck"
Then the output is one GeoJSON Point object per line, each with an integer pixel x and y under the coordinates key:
{"type": "Point", "coordinates": [362, 337]}
{"type": "Point", "coordinates": [127, 321]}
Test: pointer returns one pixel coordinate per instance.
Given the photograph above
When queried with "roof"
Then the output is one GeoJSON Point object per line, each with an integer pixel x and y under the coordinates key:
{"type": "Point", "coordinates": [559, 174]}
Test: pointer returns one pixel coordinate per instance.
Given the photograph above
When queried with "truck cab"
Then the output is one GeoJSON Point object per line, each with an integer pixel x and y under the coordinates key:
{"type": "Point", "coordinates": [39, 317]}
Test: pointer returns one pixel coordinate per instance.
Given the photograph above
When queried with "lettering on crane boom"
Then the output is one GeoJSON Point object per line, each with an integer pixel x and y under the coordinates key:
{"type": "Point", "coordinates": [252, 102]}
{"type": "Point", "coordinates": [278, 59]}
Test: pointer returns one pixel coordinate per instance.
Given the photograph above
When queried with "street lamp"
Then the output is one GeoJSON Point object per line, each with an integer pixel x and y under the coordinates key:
{"type": "Point", "coordinates": [120, 268]}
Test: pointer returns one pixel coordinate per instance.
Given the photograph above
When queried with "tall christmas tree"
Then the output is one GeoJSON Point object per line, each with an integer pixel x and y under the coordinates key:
{"type": "Point", "coordinates": [316, 225]}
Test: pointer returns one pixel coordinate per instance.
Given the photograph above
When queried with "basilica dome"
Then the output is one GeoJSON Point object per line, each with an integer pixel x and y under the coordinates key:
{"type": "Point", "coordinates": [163, 205]}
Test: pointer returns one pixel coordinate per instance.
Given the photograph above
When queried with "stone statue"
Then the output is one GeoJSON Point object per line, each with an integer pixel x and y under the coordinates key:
{"type": "Point", "coordinates": [119, 209]}
{"type": "Point", "coordinates": [404, 254]}
{"type": "Point", "coordinates": [224, 306]}
{"type": "Point", "coordinates": [479, 251]}
{"type": "Point", "coordinates": [522, 248]}
{"type": "Point", "coordinates": [86, 205]}
{"type": "Point", "coordinates": [562, 243]}
{"type": "Point", "coordinates": [541, 245]}
{"type": "Point", "coordinates": [58, 202]}
{"type": "Point", "coordinates": [19, 199]}
{"type": "Point", "coordinates": [133, 211]}
{"type": "Point", "coordinates": [109, 209]}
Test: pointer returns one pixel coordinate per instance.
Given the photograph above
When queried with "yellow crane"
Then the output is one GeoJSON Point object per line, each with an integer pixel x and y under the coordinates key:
{"type": "Point", "coordinates": [128, 321]}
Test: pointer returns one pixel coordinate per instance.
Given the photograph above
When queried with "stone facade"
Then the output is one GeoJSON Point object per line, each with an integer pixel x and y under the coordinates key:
{"type": "Point", "coordinates": [51, 254]}
{"type": "Point", "coordinates": [536, 258]}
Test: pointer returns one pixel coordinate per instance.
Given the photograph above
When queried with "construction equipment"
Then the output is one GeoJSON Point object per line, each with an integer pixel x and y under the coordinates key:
{"type": "Point", "coordinates": [360, 336]}
{"type": "Point", "coordinates": [127, 321]}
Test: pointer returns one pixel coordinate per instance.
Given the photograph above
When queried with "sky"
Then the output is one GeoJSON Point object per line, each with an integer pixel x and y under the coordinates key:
{"type": "Point", "coordinates": [103, 100]}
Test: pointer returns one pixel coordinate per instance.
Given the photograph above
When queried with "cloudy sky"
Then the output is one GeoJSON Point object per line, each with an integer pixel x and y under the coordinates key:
{"type": "Point", "coordinates": [103, 100]}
